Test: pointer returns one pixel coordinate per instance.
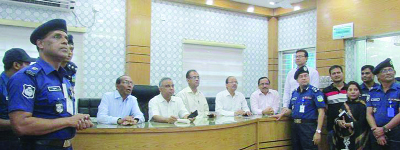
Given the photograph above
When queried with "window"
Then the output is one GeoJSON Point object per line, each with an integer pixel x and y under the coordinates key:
{"type": "Point", "coordinates": [373, 51]}
{"type": "Point", "coordinates": [214, 64]}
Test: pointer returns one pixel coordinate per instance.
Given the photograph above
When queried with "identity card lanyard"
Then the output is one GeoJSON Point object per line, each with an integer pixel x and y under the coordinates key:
{"type": "Point", "coordinates": [302, 106]}
{"type": "Point", "coordinates": [390, 110]}
{"type": "Point", "coordinates": [70, 105]}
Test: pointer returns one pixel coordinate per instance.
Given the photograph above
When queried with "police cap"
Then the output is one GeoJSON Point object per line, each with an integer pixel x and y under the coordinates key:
{"type": "Point", "coordinates": [386, 63]}
{"type": "Point", "coordinates": [70, 39]}
{"type": "Point", "coordinates": [299, 71]}
{"type": "Point", "coordinates": [15, 55]}
{"type": "Point", "coordinates": [52, 25]}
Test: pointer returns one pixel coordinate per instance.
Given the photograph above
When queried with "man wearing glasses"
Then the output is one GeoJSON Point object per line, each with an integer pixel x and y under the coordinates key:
{"type": "Point", "coordinates": [383, 108]}
{"type": "Point", "coordinates": [230, 102]}
{"type": "Point", "coordinates": [120, 107]}
{"type": "Point", "coordinates": [166, 108]}
{"type": "Point", "coordinates": [291, 84]}
{"type": "Point", "coordinates": [192, 97]}
{"type": "Point", "coordinates": [264, 101]}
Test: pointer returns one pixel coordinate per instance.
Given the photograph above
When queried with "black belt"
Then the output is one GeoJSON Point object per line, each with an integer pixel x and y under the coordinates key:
{"type": "Point", "coordinates": [55, 143]}
{"type": "Point", "coordinates": [304, 120]}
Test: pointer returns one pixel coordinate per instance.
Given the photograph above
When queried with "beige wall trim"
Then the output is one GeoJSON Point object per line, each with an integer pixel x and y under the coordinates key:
{"type": "Point", "coordinates": [230, 6]}
{"type": "Point", "coordinates": [28, 24]}
{"type": "Point", "coordinates": [210, 43]}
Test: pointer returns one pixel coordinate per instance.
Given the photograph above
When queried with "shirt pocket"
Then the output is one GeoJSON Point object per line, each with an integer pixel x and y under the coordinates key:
{"type": "Point", "coordinates": [375, 103]}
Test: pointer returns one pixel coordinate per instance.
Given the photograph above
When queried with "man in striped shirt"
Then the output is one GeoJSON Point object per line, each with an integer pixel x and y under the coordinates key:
{"type": "Point", "coordinates": [335, 95]}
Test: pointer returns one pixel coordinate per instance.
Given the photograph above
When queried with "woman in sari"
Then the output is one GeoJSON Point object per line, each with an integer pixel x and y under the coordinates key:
{"type": "Point", "coordinates": [351, 126]}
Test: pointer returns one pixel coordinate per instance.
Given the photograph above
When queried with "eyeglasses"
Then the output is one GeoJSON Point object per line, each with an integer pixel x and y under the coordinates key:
{"type": "Point", "coordinates": [264, 83]}
{"type": "Point", "coordinates": [233, 82]}
{"type": "Point", "coordinates": [169, 86]}
{"type": "Point", "coordinates": [127, 82]}
{"type": "Point", "coordinates": [390, 70]}
{"type": "Point", "coordinates": [365, 73]}
{"type": "Point", "coordinates": [194, 77]}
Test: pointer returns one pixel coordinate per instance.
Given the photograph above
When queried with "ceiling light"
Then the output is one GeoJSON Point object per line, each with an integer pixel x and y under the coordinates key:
{"type": "Point", "coordinates": [250, 9]}
{"type": "Point", "coordinates": [296, 8]}
{"type": "Point", "coordinates": [210, 2]}
{"type": "Point", "coordinates": [272, 3]}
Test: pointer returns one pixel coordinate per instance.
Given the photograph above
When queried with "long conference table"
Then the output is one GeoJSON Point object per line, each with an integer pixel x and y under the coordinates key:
{"type": "Point", "coordinates": [221, 133]}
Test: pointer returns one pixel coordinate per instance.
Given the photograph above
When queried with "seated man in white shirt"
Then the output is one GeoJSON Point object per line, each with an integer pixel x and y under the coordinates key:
{"type": "Point", "coordinates": [192, 97]}
{"type": "Point", "coordinates": [264, 101]}
{"type": "Point", "coordinates": [120, 107]}
{"type": "Point", "coordinates": [164, 107]}
{"type": "Point", "coordinates": [230, 102]}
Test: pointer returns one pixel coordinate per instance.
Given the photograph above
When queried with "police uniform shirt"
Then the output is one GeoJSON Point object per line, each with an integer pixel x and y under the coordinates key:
{"type": "Point", "coordinates": [380, 102]}
{"type": "Point", "coordinates": [365, 91]}
{"type": "Point", "coordinates": [313, 100]}
{"type": "Point", "coordinates": [291, 84]}
{"type": "Point", "coordinates": [3, 96]}
{"type": "Point", "coordinates": [38, 89]}
{"type": "Point", "coordinates": [71, 69]}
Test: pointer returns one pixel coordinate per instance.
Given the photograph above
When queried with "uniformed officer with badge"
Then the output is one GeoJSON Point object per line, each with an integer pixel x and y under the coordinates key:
{"type": "Point", "coordinates": [41, 105]}
{"type": "Point", "coordinates": [368, 81]}
{"type": "Point", "coordinates": [307, 108]}
{"type": "Point", "coordinates": [14, 60]}
{"type": "Point", "coordinates": [383, 108]}
{"type": "Point", "coordinates": [68, 65]}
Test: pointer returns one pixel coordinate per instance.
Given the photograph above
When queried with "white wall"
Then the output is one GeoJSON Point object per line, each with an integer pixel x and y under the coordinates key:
{"type": "Point", "coordinates": [102, 58]}
{"type": "Point", "coordinates": [173, 22]}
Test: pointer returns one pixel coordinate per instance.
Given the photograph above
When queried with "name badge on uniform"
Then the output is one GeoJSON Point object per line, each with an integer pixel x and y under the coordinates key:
{"type": "Point", "coordinates": [70, 105]}
{"type": "Point", "coordinates": [375, 99]}
{"type": "Point", "coordinates": [54, 88]}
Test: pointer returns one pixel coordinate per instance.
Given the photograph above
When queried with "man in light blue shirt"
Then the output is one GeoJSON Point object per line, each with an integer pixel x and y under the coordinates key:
{"type": "Point", "coordinates": [120, 107]}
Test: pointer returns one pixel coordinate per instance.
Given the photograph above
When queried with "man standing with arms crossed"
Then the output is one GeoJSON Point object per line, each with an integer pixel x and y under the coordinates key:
{"type": "Point", "coordinates": [383, 109]}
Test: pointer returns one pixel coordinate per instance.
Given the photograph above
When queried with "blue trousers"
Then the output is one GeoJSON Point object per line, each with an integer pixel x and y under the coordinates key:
{"type": "Point", "coordinates": [302, 136]}
{"type": "Point", "coordinates": [32, 146]}
{"type": "Point", "coordinates": [12, 144]}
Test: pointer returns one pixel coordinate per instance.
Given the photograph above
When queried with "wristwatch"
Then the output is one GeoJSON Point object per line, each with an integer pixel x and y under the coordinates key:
{"type": "Point", "coordinates": [318, 131]}
{"type": "Point", "coordinates": [386, 130]}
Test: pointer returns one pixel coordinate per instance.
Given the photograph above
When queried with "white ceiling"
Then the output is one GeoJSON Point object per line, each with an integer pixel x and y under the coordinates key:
{"type": "Point", "coordinates": [265, 3]}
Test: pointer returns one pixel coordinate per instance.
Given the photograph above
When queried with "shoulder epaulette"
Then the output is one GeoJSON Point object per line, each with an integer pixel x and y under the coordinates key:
{"type": "Point", "coordinates": [32, 70]}
{"type": "Point", "coordinates": [315, 89]}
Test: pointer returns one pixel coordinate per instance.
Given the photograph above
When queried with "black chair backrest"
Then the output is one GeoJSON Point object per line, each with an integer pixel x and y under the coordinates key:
{"type": "Point", "coordinates": [211, 103]}
{"type": "Point", "coordinates": [89, 106]}
{"type": "Point", "coordinates": [144, 93]}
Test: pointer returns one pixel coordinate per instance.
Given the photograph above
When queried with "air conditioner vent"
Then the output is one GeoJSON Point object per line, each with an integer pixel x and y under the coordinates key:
{"type": "Point", "coordinates": [60, 5]}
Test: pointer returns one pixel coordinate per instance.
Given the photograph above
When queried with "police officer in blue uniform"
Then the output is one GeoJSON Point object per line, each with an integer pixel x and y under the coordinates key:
{"type": "Point", "coordinates": [41, 104]}
{"type": "Point", "coordinates": [14, 60]}
{"type": "Point", "coordinates": [68, 65]}
{"type": "Point", "coordinates": [383, 108]}
{"type": "Point", "coordinates": [368, 81]}
{"type": "Point", "coordinates": [307, 108]}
